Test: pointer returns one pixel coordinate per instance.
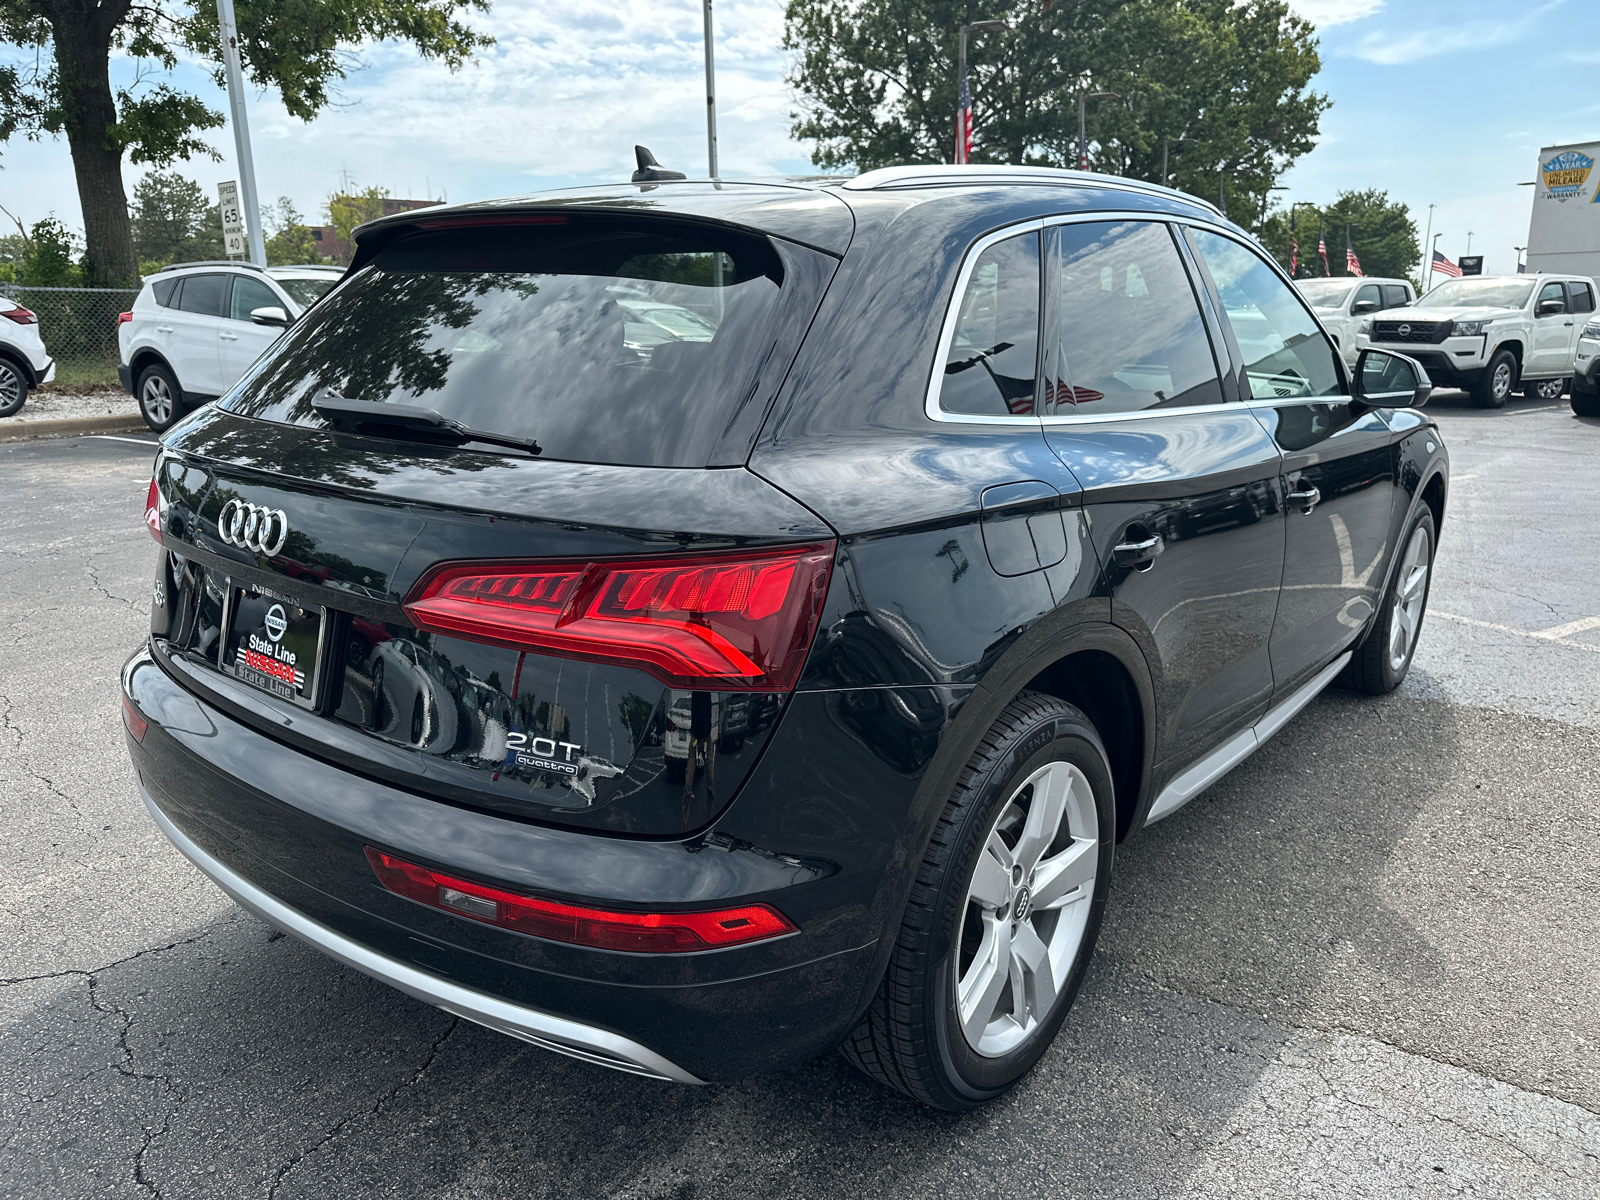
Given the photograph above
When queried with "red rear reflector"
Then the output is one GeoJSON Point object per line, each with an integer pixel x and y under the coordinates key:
{"type": "Point", "coordinates": [124, 318]}
{"type": "Point", "coordinates": [152, 509]}
{"type": "Point", "coordinates": [740, 620]}
{"type": "Point", "coordinates": [136, 724]}
{"type": "Point", "coordinates": [651, 933]}
{"type": "Point", "coordinates": [22, 316]}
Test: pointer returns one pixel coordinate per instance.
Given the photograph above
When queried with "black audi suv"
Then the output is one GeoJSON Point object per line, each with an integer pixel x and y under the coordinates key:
{"type": "Point", "coordinates": [694, 626]}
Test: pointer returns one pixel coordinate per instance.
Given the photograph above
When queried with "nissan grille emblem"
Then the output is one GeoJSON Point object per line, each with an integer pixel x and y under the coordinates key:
{"type": "Point", "coordinates": [251, 527]}
{"type": "Point", "coordinates": [1405, 331]}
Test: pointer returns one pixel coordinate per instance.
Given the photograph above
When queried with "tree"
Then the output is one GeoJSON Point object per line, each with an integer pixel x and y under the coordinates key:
{"type": "Point", "coordinates": [346, 211]}
{"type": "Point", "coordinates": [51, 256]}
{"type": "Point", "coordinates": [877, 85]}
{"type": "Point", "coordinates": [63, 87]}
{"type": "Point", "coordinates": [290, 242]}
{"type": "Point", "coordinates": [1381, 230]}
{"type": "Point", "coordinates": [171, 222]}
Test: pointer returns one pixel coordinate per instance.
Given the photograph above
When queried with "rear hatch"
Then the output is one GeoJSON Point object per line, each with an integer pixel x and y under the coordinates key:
{"type": "Point", "coordinates": [479, 525]}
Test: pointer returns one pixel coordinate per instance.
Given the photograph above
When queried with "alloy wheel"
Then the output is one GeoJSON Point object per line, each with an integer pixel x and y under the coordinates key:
{"type": "Point", "coordinates": [1502, 381]}
{"type": "Point", "coordinates": [1409, 595]}
{"type": "Point", "coordinates": [1026, 908]}
{"type": "Point", "coordinates": [1550, 389]}
{"type": "Point", "coordinates": [157, 400]}
{"type": "Point", "coordinates": [10, 385]}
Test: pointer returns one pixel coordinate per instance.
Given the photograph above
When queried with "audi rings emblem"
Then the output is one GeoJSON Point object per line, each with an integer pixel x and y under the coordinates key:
{"type": "Point", "coordinates": [251, 527]}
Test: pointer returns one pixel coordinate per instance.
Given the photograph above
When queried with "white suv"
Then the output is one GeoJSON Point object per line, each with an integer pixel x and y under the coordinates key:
{"type": "Point", "coordinates": [1586, 372]}
{"type": "Point", "coordinates": [1489, 333]}
{"type": "Point", "coordinates": [24, 364]}
{"type": "Point", "coordinates": [1343, 301]}
{"type": "Point", "coordinates": [195, 328]}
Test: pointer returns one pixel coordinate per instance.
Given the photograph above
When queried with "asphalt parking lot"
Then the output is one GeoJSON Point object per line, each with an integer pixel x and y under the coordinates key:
{"type": "Point", "coordinates": [1363, 964]}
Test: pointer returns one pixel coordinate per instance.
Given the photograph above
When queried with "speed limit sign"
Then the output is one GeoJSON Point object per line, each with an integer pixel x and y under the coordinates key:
{"type": "Point", "coordinates": [232, 218]}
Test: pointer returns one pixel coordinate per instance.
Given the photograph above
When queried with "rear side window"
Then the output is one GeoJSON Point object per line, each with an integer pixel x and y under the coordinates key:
{"type": "Point", "coordinates": [1582, 297]}
{"type": "Point", "coordinates": [1125, 331]}
{"type": "Point", "coordinates": [602, 339]}
{"type": "Point", "coordinates": [249, 295]}
{"type": "Point", "coordinates": [204, 294]}
{"type": "Point", "coordinates": [162, 290]}
{"type": "Point", "coordinates": [991, 369]}
{"type": "Point", "coordinates": [1395, 296]}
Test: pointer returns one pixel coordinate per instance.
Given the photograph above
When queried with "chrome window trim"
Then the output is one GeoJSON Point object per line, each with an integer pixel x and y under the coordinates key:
{"type": "Point", "coordinates": [947, 331]}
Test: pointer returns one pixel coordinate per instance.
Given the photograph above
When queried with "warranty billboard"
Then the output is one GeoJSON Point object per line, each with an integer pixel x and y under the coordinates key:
{"type": "Point", "coordinates": [1564, 230]}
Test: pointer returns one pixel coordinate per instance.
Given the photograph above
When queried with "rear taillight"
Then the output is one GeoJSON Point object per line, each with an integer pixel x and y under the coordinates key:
{"type": "Point", "coordinates": [136, 724]}
{"type": "Point", "coordinates": [740, 620]}
{"type": "Point", "coordinates": [124, 318]}
{"type": "Point", "coordinates": [22, 316]}
{"type": "Point", "coordinates": [651, 933]}
{"type": "Point", "coordinates": [152, 509]}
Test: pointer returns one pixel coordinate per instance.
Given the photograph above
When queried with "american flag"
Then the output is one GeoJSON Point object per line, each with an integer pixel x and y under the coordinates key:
{"type": "Point", "coordinates": [1444, 266]}
{"type": "Point", "coordinates": [964, 123]}
{"type": "Point", "coordinates": [1352, 264]}
{"type": "Point", "coordinates": [1322, 249]}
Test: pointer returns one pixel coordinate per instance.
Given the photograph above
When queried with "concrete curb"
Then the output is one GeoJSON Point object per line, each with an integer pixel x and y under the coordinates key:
{"type": "Point", "coordinates": [20, 431]}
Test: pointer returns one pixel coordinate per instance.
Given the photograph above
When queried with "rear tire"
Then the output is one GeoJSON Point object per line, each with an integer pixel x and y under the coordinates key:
{"type": "Point", "coordinates": [160, 398]}
{"type": "Point", "coordinates": [13, 388]}
{"type": "Point", "coordinates": [1003, 916]}
{"type": "Point", "coordinates": [1496, 383]}
{"type": "Point", "coordinates": [1549, 390]}
{"type": "Point", "coordinates": [1382, 661]}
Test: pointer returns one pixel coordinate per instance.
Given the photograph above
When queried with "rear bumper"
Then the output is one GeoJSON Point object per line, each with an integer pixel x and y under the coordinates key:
{"type": "Point", "coordinates": [528, 1024]}
{"type": "Point", "coordinates": [125, 377]}
{"type": "Point", "coordinates": [284, 834]}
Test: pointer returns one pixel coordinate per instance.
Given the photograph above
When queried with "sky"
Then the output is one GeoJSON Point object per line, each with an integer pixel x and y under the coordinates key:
{"type": "Point", "coordinates": [1442, 102]}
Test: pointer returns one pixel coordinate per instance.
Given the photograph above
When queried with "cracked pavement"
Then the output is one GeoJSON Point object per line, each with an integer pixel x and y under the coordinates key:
{"type": "Point", "coordinates": [1361, 965]}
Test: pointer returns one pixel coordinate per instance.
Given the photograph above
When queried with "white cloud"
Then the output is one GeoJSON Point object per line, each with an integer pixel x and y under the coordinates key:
{"type": "Point", "coordinates": [1325, 14]}
{"type": "Point", "coordinates": [1391, 49]}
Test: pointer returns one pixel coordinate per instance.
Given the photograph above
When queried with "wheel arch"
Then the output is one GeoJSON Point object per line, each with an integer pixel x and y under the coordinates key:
{"type": "Point", "coordinates": [147, 356]}
{"type": "Point", "coordinates": [1433, 495]}
{"type": "Point", "coordinates": [1515, 347]}
{"type": "Point", "coordinates": [20, 361]}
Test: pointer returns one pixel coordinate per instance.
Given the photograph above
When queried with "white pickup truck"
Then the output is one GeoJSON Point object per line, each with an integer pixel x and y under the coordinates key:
{"type": "Point", "coordinates": [1490, 334]}
{"type": "Point", "coordinates": [1342, 301]}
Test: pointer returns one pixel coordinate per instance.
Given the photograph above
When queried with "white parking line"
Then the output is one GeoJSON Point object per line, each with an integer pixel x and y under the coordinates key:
{"type": "Point", "coordinates": [1560, 634]}
{"type": "Point", "coordinates": [107, 437]}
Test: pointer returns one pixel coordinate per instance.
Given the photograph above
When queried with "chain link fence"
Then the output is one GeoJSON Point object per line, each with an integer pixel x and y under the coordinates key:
{"type": "Point", "coordinates": [79, 328]}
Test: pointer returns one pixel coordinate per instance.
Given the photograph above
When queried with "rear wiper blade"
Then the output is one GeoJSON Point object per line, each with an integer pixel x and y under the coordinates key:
{"type": "Point", "coordinates": [340, 411]}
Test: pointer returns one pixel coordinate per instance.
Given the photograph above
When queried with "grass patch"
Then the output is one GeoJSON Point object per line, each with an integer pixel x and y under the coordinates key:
{"type": "Point", "coordinates": [76, 375]}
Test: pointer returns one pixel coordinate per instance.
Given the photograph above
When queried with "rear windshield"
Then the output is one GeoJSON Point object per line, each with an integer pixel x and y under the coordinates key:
{"type": "Point", "coordinates": [603, 340]}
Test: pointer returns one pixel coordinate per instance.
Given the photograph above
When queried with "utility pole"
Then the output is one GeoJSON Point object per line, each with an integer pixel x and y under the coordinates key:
{"type": "Point", "coordinates": [241, 132]}
{"type": "Point", "coordinates": [1432, 250]}
{"type": "Point", "coordinates": [1083, 136]}
{"type": "Point", "coordinates": [1428, 266]}
{"type": "Point", "coordinates": [1469, 241]}
{"type": "Point", "coordinates": [711, 97]}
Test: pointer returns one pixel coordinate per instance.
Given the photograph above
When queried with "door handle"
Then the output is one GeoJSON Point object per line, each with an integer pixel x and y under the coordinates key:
{"type": "Point", "coordinates": [1141, 554]}
{"type": "Point", "coordinates": [229, 337]}
{"type": "Point", "coordinates": [163, 328]}
{"type": "Point", "coordinates": [1306, 498]}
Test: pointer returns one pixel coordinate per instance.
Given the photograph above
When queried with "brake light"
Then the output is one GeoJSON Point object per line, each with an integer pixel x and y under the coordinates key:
{"type": "Point", "coordinates": [650, 933]}
{"type": "Point", "coordinates": [136, 724]}
{"type": "Point", "coordinates": [739, 620]}
{"type": "Point", "coordinates": [22, 316]}
{"type": "Point", "coordinates": [152, 509]}
{"type": "Point", "coordinates": [124, 318]}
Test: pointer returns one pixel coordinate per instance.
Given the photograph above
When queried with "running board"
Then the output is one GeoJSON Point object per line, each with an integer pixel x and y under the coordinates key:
{"type": "Point", "coordinates": [1240, 746]}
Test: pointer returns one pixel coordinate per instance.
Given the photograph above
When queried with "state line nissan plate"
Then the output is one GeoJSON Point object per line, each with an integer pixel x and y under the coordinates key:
{"type": "Point", "coordinates": [693, 627]}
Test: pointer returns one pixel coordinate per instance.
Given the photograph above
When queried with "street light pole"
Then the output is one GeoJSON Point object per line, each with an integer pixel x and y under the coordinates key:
{"type": "Point", "coordinates": [1165, 142]}
{"type": "Point", "coordinates": [1428, 266]}
{"type": "Point", "coordinates": [1432, 250]}
{"type": "Point", "coordinates": [711, 96]}
{"type": "Point", "coordinates": [1083, 136]}
{"type": "Point", "coordinates": [962, 113]}
{"type": "Point", "coordinates": [241, 132]}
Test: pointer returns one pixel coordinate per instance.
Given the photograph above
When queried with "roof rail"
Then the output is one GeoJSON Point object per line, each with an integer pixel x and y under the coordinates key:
{"type": "Point", "coordinates": [212, 262]}
{"type": "Point", "coordinates": [978, 173]}
{"type": "Point", "coordinates": [305, 267]}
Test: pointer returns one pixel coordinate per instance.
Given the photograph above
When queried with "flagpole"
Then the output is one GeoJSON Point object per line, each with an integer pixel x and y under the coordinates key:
{"type": "Point", "coordinates": [1428, 267]}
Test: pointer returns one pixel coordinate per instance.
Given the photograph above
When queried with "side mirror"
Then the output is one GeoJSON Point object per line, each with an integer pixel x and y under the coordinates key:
{"type": "Point", "coordinates": [1363, 306]}
{"type": "Point", "coordinates": [270, 316]}
{"type": "Point", "coordinates": [1549, 308]}
{"type": "Point", "coordinates": [1387, 380]}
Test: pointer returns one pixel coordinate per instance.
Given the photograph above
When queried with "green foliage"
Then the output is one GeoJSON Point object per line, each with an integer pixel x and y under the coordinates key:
{"type": "Point", "coordinates": [51, 260]}
{"type": "Point", "coordinates": [172, 221]}
{"type": "Point", "coordinates": [290, 243]}
{"type": "Point", "coordinates": [1382, 231]}
{"type": "Point", "coordinates": [346, 212]}
{"type": "Point", "coordinates": [878, 86]}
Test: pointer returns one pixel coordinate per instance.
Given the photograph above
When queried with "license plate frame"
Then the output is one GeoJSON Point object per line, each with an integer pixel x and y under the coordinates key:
{"type": "Point", "coordinates": [273, 642]}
